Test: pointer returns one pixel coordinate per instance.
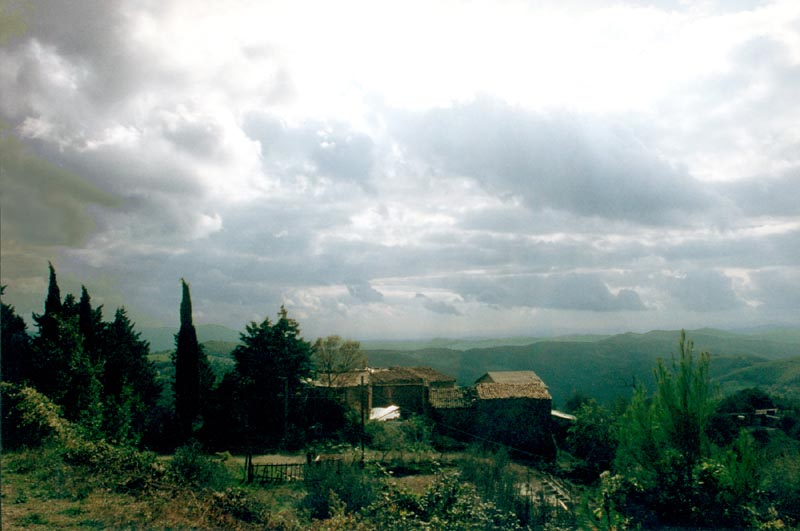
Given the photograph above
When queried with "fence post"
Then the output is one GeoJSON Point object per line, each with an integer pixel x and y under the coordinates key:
{"type": "Point", "coordinates": [249, 465]}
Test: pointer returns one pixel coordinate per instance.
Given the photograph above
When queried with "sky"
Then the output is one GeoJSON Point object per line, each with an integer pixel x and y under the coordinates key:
{"type": "Point", "coordinates": [406, 169]}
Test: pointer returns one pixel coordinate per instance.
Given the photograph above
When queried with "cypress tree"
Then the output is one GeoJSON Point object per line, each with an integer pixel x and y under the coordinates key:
{"type": "Point", "coordinates": [49, 362]}
{"type": "Point", "coordinates": [191, 372]}
{"type": "Point", "coordinates": [52, 305]}
{"type": "Point", "coordinates": [48, 326]}
{"type": "Point", "coordinates": [87, 324]}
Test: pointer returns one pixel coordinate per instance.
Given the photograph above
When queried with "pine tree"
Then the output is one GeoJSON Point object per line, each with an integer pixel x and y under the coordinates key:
{"type": "Point", "coordinates": [130, 386]}
{"type": "Point", "coordinates": [271, 360]}
{"type": "Point", "coordinates": [663, 439]}
{"type": "Point", "coordinates": [191, 372]}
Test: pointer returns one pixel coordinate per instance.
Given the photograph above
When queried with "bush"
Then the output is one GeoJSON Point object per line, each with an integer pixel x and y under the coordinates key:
{"type": "Point", "coordinates": [192, 466]}
{"type": "Point", "coordinates": [235, 502]}
{"type": "Point", "coordinates": [450, 504]}
{"type": "Point", "coordinates": [329, 483]}
{"type": "Point", "coordinates": [30, 418]}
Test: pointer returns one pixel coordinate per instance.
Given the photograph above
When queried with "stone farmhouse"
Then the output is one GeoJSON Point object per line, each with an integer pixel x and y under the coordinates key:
{"type": "Point", "coordinates": [508, 407]}
{"type": "Point", "coordinates": [406, 387]}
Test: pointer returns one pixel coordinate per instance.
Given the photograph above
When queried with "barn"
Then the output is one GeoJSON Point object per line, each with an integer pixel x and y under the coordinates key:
{"type": "Point", "coordinates": [512, 408]}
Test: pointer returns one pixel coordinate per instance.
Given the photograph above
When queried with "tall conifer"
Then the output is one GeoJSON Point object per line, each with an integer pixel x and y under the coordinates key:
{"type": "Point", "coordinates": [191, 368]}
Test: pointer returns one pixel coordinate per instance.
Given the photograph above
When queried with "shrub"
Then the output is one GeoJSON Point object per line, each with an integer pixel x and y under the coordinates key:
{"type": "Point", "coordinates": [449, 504]}
{"type": "Point", "coordinates": [126, 468]}
{"type": "Point", "coordinates": [192, 466]}
{"type": "Point", "coordinates": [30, 418]}
{"type": "Point", "coordinates": [331, 482]}
{"type": "Point", "coordinates": [236, 503]}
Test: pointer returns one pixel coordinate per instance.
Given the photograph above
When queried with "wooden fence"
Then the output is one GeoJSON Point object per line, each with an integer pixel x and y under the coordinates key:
{"type": "Point", "coordinates": [280, 472]}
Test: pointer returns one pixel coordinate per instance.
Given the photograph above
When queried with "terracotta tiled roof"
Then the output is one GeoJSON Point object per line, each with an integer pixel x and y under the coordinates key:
{"type": "Point", "coordinates": [511, 377]}
{"type": "Point", "coordinates": [496, 391]}
{"type": "Point", "coordinates": [432, 375]}
{"type": "Point", "coordinates": [395, 375]}
{"type": "Point", "coordinates": [345, 379]}
{"type": "Point", "coordinates": [451, 398]}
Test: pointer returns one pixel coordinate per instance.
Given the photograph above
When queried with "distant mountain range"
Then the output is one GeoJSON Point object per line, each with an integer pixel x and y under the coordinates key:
{"type": "Point", "coordinates": [607, 367]}
{"type": "Point", "coordinates": [601, 366]}
{"type": "Point", "coordinates": [163, 338]}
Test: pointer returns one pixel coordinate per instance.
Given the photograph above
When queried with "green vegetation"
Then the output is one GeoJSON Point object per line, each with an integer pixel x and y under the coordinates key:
{"type": "Point", "coordinates": [684, 458]}
{"type": "Point", "coordinates": [85, 403]}
{"type": "Point", "coordinates": [607, 368]}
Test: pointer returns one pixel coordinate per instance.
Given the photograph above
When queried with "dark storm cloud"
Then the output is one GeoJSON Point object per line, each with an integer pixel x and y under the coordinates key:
{"type": "Point", "coordinates": [332, 150]}
{"type": "Point", "coordinates": [82, 56]}
{"type": "Point", "coordinates": [42, 203]}
{"type": "Point", "coordinates": [565, 292]}
{"type": "Point", "coordinates": [436, 306]}
{"type": "Point", "coordinates": [704, 291]}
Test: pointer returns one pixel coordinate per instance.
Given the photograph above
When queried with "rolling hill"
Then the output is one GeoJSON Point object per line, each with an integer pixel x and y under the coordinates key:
{"type": "Point", "coordinates": [604, 367]}
{"type": "Point", "coordinates": [608, 367]}
{"type": "Point", "coordinates": [163, 337]}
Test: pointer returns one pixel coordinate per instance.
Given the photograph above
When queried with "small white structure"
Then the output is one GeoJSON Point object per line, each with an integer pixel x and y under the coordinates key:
{"type": "Point", "coordinates": [384, 413]}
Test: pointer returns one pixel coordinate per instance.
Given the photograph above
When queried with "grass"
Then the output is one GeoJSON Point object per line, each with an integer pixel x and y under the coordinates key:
{"type": "Point", "coordinates": [40, 490]}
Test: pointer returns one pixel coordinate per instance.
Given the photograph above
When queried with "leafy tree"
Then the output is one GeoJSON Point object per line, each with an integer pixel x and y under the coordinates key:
{"type": "Point", "coordinates": [333, 357]}
{"type": "Point", "coordinates": [16, 344]}
{"type": "Point", "coordinates": [271, 360]}
{"type": "Point", "coordinates": [193, 376]}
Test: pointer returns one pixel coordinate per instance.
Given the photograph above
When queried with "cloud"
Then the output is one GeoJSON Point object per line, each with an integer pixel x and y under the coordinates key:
{"type": "Point", "coordinates": [364, 292]}
{"type": "Point", "coordinates": [563, 292]}
{"type": "Point", "coordinates": [769, 195]}
{"type": "Point", "coordinates": [270, 159]}
{"type": "Point", "coordinates": [561, 161]}
{"type": "Point", "coordinates": [436, 306]}
{"type": "Point", "coordinates": [331, 150]}
{"type": "Point", "coordinates": [43, 204]}
{"type": "Point", "coordinates": [778, 290]}
{"type": "Point", "coordinates": [704, 291]}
